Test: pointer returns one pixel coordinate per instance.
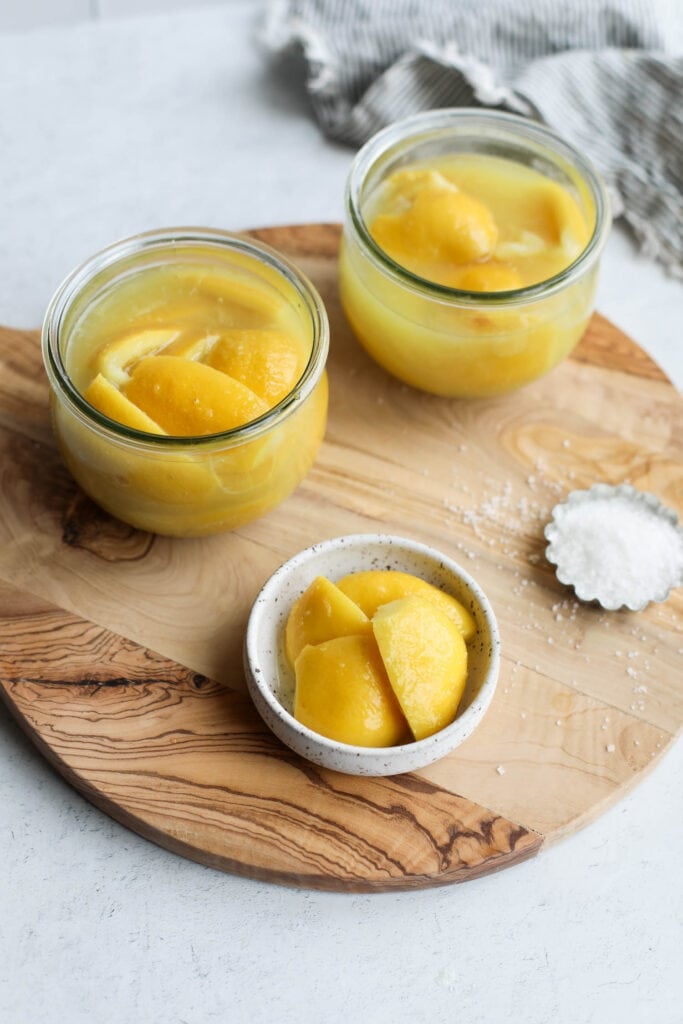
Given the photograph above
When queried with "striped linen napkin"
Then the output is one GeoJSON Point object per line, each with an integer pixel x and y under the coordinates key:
{"type": "Point", "coordinates": [606, 74]}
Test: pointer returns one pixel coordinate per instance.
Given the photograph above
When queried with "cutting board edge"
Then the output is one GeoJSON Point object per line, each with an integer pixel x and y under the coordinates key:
{"type": "Point", "coordinates": [325, 241]}
{"type": "Point", "coordinates": [613, 799]}
{"type": "Point", "coordinates": [324, 883]}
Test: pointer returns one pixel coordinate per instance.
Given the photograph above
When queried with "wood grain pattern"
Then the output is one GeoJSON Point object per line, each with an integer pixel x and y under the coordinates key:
{"type": "Point", "coordinates": [121, 651]}
{"type": "Point", "coordinates": [188, 763]}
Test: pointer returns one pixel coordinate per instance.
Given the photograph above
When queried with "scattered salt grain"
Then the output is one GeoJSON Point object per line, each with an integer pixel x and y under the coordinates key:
{"type": "Point", "coordinates": [500, 769]}
{"type": "Point", "coordinates": [610, 748]}
{"type": "Point", "coordinates": [616, 545]}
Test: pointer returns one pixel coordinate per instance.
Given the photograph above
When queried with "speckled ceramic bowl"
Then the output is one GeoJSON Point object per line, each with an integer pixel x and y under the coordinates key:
{"type": "Point", "coordinates": [271, 681]}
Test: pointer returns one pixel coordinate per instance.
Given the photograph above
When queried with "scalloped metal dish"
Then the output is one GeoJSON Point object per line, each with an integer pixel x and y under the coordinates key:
{"type": "Point", "coordinates": [584, 589]}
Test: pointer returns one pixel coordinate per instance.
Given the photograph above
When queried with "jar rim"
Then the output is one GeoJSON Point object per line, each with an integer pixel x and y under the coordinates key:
{"type": "Point", "coordinates": [120, 251]}
{"type": "Point", "coordinates": [420, 127]}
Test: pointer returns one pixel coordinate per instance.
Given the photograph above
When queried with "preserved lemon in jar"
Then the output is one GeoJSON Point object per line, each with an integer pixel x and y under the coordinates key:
{"type": "Point", "coordinates": [469, 257]}
{"type": "Point", "coordinates": [188, 379]}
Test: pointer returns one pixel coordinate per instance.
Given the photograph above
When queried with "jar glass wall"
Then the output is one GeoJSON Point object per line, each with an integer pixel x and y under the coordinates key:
{"type": "Point", "coordinates": [448, 340]}
{"type": "Point", "coordinates": [183, 484]}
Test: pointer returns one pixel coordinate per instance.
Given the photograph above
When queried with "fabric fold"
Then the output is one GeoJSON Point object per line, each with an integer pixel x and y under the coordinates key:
{"type": "Point", "coordinates": [607, 76]}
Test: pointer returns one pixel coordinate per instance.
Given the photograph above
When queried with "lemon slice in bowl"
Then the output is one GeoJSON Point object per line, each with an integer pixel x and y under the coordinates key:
{"type": "Point", "coordinates": [342, 692]}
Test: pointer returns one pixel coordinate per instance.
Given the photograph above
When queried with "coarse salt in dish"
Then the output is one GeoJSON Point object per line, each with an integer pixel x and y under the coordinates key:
{"type": "Point", "coordinates": [616, 545]}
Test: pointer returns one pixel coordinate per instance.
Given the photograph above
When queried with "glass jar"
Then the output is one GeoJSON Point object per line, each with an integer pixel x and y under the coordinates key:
{"type": "Point", "coordinates": [184, 485]}
{"type": "Point", "coordinates": [447, 340]}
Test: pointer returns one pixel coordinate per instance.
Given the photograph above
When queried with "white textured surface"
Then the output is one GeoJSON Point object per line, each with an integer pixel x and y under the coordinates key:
{"type": "Point", "coordinates": [110, 129]}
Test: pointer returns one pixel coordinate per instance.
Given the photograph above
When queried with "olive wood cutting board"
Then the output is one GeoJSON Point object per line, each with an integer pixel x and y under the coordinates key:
{"type": "Point", "coordinates": [120, 652]}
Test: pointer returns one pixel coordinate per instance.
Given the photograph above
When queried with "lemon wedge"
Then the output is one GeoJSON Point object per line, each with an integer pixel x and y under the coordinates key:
{"type": "Point", "coordinates": [114, 358]}
{"type": "Point", "coordinates": [188, 398]}
{"type": "Point", "coordinates": [268, 361]}
{"type": "Point", "coordinates": [102, 394]}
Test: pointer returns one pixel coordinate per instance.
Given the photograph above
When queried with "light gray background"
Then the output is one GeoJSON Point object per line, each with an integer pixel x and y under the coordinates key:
{"type": "Point", "coordinates": [111, 126]}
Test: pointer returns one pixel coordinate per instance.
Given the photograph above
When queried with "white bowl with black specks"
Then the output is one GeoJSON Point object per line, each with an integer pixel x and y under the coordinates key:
{"type": "Point", "coordinates": [271, 681]}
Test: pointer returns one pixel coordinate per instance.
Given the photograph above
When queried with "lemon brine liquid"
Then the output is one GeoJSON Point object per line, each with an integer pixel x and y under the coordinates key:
{"type": "Point", "coordinates": [188, 350]}
{"type": "Point", "coordinates": [478, 223]}
{"type": "Point", "coordinates": [198, 349]}
{"type": "Point", "coordinates": [446, 271]}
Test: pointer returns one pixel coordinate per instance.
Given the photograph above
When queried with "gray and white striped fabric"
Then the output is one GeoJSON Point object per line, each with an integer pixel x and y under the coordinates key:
{"type": "Point", "coordinates": [606, 74]}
